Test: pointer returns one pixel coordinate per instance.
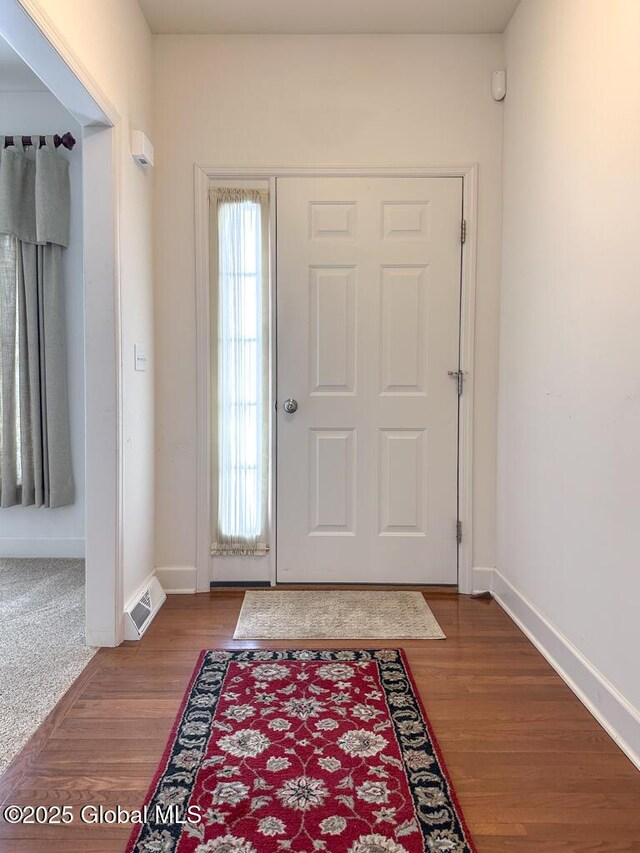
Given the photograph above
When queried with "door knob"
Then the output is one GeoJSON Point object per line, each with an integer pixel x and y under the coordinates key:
{"type": "Point", "coordinates": [290, 406]}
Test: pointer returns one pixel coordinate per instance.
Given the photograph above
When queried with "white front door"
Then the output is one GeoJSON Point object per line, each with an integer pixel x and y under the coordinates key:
{"type": "Point", "coordinates": [368, 289]}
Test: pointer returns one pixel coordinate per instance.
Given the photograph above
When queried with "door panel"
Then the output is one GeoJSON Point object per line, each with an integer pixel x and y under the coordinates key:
{"type": "Point", "coordinates": [403, 325]}
{"type": "Point", "coordinates": [368, 289]}
{"type": "Point", "coordinates": [332, 330]}
{"type": "Point", "coordinates": [332, 482]}
{"type": "Point", "coordinates": [403, 482]}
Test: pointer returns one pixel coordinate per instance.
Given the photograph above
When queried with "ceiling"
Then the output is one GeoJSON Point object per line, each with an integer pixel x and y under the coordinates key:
{"type": "Point", "coordinates": [328, 16]}
{"type": "Point", "coordinates": [15, 74]}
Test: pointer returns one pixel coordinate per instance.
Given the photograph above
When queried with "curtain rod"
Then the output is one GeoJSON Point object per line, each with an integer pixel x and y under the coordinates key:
{"type": "Point", "coordinates": [67, 140]}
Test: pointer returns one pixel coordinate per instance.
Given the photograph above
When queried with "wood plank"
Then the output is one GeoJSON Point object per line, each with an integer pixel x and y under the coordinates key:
{"type": "Point", "coordinates": [533, 770]}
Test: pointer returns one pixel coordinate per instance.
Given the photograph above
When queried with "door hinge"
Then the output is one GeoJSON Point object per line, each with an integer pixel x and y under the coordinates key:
{"type": "Point", "coordinates": [458, 532]}
{"type": "Point", "coordinates": [463, 231]}
{"type": "Point", "coordinates": [458, 375]}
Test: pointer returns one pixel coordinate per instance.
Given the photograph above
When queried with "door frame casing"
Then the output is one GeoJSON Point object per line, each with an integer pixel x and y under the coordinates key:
{"type": "Point", "coordinates": [203, 175]}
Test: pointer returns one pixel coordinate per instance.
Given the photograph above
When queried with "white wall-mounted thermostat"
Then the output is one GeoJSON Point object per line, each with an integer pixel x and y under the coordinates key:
{"type": "Point", "coordinates": [141, 148]}
{"type": "Point", "coordinates": [499, 85]}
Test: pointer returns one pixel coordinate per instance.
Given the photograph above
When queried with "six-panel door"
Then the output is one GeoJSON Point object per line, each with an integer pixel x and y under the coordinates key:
{"type": "Point", "coordinates": [368, 290]}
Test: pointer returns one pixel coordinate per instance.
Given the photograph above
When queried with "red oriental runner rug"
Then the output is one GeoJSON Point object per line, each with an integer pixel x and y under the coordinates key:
{"type": "Point", "coordinates": [301, 751]}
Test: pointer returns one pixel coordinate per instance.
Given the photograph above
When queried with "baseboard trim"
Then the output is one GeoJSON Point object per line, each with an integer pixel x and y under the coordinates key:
{"type": "Point", "coordinates": [178, 580]}
{"type": "Point", "coordinates": [101, 639]}
{"type": "Point", "coordinates": [617, 716]}
{"type": "Point", "coordinates": [35, 548]}
{"type": "Point", "coordinates": [481, 579]}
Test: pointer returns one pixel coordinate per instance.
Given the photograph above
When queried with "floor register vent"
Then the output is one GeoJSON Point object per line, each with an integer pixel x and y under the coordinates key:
{"type": "Point", "coordinates": [140, 611]}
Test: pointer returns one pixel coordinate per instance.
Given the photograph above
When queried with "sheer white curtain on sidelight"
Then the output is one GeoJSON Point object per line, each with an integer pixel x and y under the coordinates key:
{"type": "Point", "coordinates": [240, 370]}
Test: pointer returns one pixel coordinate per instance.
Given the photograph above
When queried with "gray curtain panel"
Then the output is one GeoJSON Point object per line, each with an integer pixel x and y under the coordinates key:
{"type": "Point", "coordinates": [35, 447]}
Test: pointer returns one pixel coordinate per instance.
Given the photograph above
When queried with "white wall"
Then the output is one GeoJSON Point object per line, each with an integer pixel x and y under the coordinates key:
{"type": "Point", "coordinates": [299, 100]}
{"type": "Point", "coordinates": [113, 42]}
{"type": "Point", "coordinates": [31, 531]}
{"type": "Point", "coordinates": [569, 434]}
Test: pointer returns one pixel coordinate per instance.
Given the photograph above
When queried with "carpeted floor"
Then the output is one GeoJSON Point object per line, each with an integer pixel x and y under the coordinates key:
{"type": "Point", "coordinates": [336, 615]}
{"type": "Point", "coordinates": [42, 648]}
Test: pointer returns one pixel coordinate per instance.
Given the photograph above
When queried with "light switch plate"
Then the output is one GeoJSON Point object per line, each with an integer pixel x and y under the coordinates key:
{"type": "Point", "coordinates": [140, 357]}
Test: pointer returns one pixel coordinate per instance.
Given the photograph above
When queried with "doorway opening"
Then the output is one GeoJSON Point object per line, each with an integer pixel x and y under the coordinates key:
{"type": "Point", "coordinates": [42, 49]}
{"type": "Point", "coordinates": [398, 215]}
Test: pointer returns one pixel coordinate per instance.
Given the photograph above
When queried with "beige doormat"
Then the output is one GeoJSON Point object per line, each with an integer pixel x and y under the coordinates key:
{"type": "Point", "coordinates": [336, 615]}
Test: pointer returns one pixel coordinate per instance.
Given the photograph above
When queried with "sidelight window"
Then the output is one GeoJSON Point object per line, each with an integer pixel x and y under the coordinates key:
{"type": "Point", "coordinates": [240, 296]}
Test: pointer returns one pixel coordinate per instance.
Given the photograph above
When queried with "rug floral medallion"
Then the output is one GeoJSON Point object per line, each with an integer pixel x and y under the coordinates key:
{"type": "Point", "coordinates": [301, 751]}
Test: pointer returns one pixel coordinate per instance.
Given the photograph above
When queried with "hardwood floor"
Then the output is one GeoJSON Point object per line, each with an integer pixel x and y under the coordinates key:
{"type": "Point", "coordinates": [532, 768]}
